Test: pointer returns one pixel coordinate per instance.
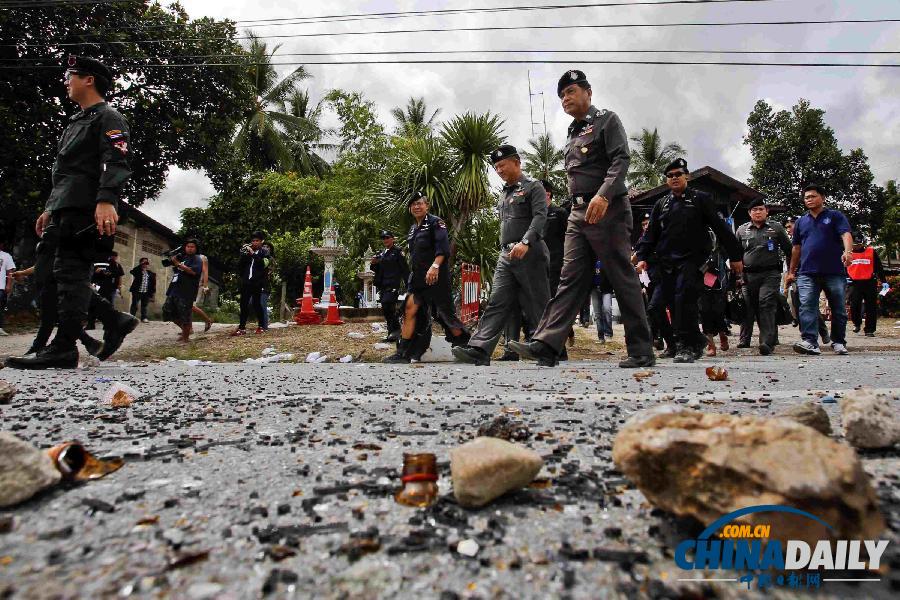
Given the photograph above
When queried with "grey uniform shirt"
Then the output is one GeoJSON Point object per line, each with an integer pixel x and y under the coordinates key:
{"type": "Point", "coordinates": [761, 246]}
{"type": "Point", "coordinates": [523, 212]}
{"type": "Point", "coordinates": [597, 155]}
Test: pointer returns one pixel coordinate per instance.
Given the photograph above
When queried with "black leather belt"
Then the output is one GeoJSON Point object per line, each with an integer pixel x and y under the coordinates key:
{"type": "Point", "coordinates": [580, 201]}
{"type": "Point", "coordinates": [762, 269]}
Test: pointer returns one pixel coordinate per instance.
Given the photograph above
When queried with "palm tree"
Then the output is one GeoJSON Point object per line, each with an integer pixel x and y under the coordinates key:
{"type": "Point", "coordinates": [305, 141]}
{"type": "Point", "coordinates": [545, 161]}
{"type": "Point", "coordinates": [411, 121]}
{"type": "Point", "coordinates": [650, 158]}
{"type": "Point", "coordinates": [450, 169]}
{"type": "Point", "coordinates": [262, 139]}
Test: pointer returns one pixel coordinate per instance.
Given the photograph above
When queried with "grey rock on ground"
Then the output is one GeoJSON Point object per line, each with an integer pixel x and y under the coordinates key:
{"type": "Point", "coordinates": [811, 414]}
{"type": "Point", "coordinates": [869, 419]}
{"type": "Point", "coordinates": [487, 467]}
{"type": "Point", "coordinates": [7, 391]}
{"type": "Point", "coordinates": [24, 470]}
{"type": "Point", "coordinates": [704, 465]}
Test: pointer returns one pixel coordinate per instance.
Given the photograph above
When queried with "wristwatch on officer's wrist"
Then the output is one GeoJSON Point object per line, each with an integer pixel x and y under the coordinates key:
{"type": "Point", "coordinates": [524, 242]}
{"type": "Point", "coordinates": [435, 266]}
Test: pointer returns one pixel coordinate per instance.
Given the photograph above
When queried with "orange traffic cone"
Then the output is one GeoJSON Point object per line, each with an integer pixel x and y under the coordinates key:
{"type": "Point", "coordinates": [334, 315]}
{"type": "Point", "coordinates": [307, 314]}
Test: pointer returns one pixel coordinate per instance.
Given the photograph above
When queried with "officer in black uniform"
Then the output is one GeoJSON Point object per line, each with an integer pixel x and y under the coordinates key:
{"type": "Point", "coordinates": [678, 240]}
{"type": "Point", "coordinates": [762, 239]}
{"type": "Point", "coordinates": [80, 216]}
{"type": "Point", "coordinates": [520, 278]}
{"type": "Point", "coordinates": [428, 288]}
{"type": "Point", "coordinates": [554, 235]}
{"type": "Point", "coordinates": [599, 227]}
{"type": "Point", "coordinates": [391, 271]}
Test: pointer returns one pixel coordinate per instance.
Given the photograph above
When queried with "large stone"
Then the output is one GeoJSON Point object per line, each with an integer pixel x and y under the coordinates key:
{"type": "Point", "coordinates": [706, 465]}
{"type": "Point", "coordinates": [809, 413]}
{"type": "Point", "coordinates": [24, 470]}
{"type": "Point", "coordinates": [486, 468]}
{"type": "Point", "coordinates": [7, 391]}
{"type": "Point", "coordinates": [870, 419]}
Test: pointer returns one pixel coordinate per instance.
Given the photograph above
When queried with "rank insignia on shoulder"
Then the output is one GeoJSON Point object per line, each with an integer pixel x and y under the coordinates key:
{"type": "Point", "coordinates": [441, 224]}
{"type": "Point", "coordinates": [584, 149]}
{"type": "Point", "coordinates": [122, 146]}
{"type": "Point", "coordinates": [113, 132]}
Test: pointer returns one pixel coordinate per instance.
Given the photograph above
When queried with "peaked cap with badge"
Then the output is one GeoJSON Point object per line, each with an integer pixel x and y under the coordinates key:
{"type": "Point", "coordinates": [678, 163]}
{"type": "Point", "coordinates": [417, 195]}
{"type": "Point", "coordinates": [85, 65]}
{"type": "Point", "coordinates": [503, 152]}
{"type": "Point", "coordinates": [570, 77]}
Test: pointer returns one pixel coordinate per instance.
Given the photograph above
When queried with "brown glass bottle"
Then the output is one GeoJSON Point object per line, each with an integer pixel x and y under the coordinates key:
{"type": "Point", "coordinates": [419, 479]}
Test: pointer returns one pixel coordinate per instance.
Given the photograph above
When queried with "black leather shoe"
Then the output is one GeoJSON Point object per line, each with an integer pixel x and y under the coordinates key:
{"type": "Point", "coordinates": [765, 349]}
{"type": "Point", "coordinates": [93, 346]}
{"type": "Point", "coordinates": [744, 345]}
{"type": "Point", "coordinates": [115, 335]}
{"type": "Point", "coordinates": [563, 355]}
{"type": "Point", "coordinates": [634, 362]}
{"type": "Point", "coordinates": [401, 356]}
{"type": "Point", "coordinates": [669, 353]}
{"type": "Point", "coordinates": [870, 334]}
{"type": "Point", "coordinates": [685, 355]}
{"type": "Point", "coordinates": [535, 350]}
{"type": "Point", "coordinates": [471, 355]}
{"type": "Point", "coordinates": [48, 358]}
{"type": "Point", "coordinates": [856, 329]}
{"type": "Point", "coordinates": [509, 357]}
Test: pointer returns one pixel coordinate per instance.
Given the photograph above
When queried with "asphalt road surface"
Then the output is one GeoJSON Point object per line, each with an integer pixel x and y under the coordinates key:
{"type": "Point", "coordinates": [244, 481]}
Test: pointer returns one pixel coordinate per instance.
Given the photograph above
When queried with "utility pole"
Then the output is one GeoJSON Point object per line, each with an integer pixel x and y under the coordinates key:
{"type": "Point", "coordinates": [531, 96]}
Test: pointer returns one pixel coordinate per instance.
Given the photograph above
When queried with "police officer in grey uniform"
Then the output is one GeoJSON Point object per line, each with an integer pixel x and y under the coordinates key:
{"type": "Point", "coordinates": [80, 216]}
{"type": "Point", "coordinates": [599, 227]}
{"type": "Point", "coordinates": [520, 279]}
{"type": "Point", "coordinates": [762, 239]}
{"type": "Point", "coordinates": [554, 235]}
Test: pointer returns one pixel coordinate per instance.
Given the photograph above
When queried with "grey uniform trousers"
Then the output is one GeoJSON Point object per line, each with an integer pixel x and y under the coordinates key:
{"type": "Point", "coordinates": [609, 240]}
{"type": "Point", "coordinates": [760, 296]}
{"type": "Point", "coordinates": [519, 287]}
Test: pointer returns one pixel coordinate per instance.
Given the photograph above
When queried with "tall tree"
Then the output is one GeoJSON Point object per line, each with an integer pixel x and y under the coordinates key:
{"type": "Point", "coordinates": [364, 143]}
{"type": "Point", "coordinates": [543, 160]}
{"type": "Point", "coordinates": [649, 157]}
{"type": "Point", "coordinates": [306, 142]}
{"type": "Point", "coordinates": [451, 169]}
{"type": "Point", "coordinates": [263, 139]}
{"type": "Point", "coordinates": [413, 120]}
{"type": "Point", "coordinates": [791, 148]}
{"type": "Point", "coordinates": [889, 231]}
{"type": "Point", "coordinates": [179, 115]}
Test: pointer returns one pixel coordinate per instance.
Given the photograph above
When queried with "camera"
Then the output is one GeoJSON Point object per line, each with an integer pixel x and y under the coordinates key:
{"type": "Point", "coordinates": [247, 249]}
{"type": "Point", "coordinates": [178, 253]}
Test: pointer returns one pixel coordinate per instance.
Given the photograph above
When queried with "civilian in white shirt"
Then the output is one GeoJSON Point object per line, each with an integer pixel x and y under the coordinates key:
{"type": "Point", "coordinates": [7, 267]}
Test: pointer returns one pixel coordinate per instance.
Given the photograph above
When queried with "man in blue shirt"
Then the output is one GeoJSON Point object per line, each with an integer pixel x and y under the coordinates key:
{"type": "Point", "coordinates": [183, 289]}
{"type": "Point", "coordinates": [822, 249]}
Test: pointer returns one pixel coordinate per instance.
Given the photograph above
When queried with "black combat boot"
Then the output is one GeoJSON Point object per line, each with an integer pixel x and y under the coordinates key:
{"type": "Point", "coordinates": [401, 356]}
{"type": "Point", "coordinates": [685, 354]}
{"type": "Point", "coordinates": [114, 331]}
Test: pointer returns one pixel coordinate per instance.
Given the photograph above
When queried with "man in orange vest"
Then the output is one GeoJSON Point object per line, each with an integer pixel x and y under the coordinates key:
{"type": "Point", "coordinates": [864, 271]}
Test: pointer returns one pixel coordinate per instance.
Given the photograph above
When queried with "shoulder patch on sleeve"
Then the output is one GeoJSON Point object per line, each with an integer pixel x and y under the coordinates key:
{"type": "Point", "coordinates": [440, 223]}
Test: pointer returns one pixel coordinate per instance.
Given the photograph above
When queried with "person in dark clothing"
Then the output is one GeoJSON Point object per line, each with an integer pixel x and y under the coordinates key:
{"type": "Point", "coordinates": [143, 287]}
{"type": "Point", "coordinates": [864, 271]}
{"type": "Point", "coordinates": [89, 174]}
{"type": "Point", "coordinates": [252, 271]}
{"type": "Point", "coordinates": [108, 279]}
{"type": "Point", "coordinates": [266, 288]}
{"type": "Point", "coordinates": [601, 301]}
{"type": "Point", "coordinates": [391, 271]}
{"type": "Point", "coordinates": [678, 240]}
{"type": "Point", "coordinates": [713, 301]}
{"type": "Point", "coordinates": [428, 287]}
{"type": "Point", "coordinates": [183, 289]}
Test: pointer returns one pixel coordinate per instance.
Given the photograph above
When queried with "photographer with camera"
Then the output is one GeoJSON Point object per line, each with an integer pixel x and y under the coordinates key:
{"type": "Point", "coordinates": [252, 270]}
{"type": "Point", "coordinates": [183, 288]}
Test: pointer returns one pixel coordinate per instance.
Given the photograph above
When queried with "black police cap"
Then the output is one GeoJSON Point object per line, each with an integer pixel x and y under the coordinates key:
{"type": "Point", "coordinates": [88, 66]}
{"type": "Point", "coordinates": [386, 233]}
{"type": "Point", "coordinates": [503, 152]}
{"type": "Point", "coordinates": [678, 163]}
{"type": "Point", "coordinates": [570, 77]}
{"type": "Point", "coordinates": [417, 195]}
{"type": "Point", "coordinates": [756, 202]}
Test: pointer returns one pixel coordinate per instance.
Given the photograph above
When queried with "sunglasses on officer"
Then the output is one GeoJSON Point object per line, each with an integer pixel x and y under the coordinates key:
{"type": "Point", "coordinates": [675, 174]}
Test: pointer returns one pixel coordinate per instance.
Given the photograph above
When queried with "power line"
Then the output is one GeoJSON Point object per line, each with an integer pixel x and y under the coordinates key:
{"type": "Point", "coordinates": [22, 4]}
{"type": "Point", "coordinates": [469, 62]}
{"type": "Point", "coordinates": [452, 52]}
{"type": "Point", "coordinates": [491, 28]}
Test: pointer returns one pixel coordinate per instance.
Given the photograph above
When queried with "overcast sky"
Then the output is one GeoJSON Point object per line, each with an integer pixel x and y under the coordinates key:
{"type": "Point", "coordinates": [704, 108]}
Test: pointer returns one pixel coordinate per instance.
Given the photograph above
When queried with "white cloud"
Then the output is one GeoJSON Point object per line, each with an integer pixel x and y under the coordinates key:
{"type": "Point", "coordinates": [184, 189]}
{"type": "Point", "coordinates": [703, 108]}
